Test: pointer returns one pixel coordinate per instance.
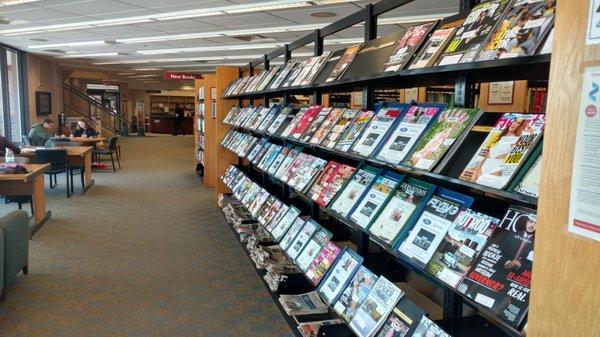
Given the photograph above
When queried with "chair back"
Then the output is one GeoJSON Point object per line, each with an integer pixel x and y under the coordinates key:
{"type": "Point", "coordinates": [112, 143]}
{"type": "Point", "coordinates": [18, 160]}
{"type": "Point", "coordinates": [26, 140]}
{"type": "Point", "coordinates": [57, 158]}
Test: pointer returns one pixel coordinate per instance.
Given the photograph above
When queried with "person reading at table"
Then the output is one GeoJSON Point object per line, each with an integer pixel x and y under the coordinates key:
{"type": "Point", "coordinates": [6, 144]}
{"type": "Point", "coordinates": [84, 130]}
{"type": "Point", "coordinates": [40, 133]}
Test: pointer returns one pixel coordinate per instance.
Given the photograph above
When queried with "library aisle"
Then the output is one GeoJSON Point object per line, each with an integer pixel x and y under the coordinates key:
{"type": "Point", "coordinates": [144, 253]}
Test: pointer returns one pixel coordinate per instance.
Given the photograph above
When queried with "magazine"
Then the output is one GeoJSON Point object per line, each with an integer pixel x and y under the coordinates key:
{"type": "Point", "coordinates": [500, 278]}
{"type": "Point", "coordinates": [283, 74]}
{"type": "Point", "coordinates": [305, 71]}
{"type": "Point", "coordinates": [504, 149]}
{"type": "Point", "coordinates": [293, 74]}
{"type": "Point", "coordinates": [278, 121]}
{"type": "Point", "coordinates": [340, 275]}
{"type": "Point", "coordinates": [465, 239]}
{"type": "Point", "coordinates": [403, 138]}
{"type": "Point", "coordinates": [427, 328]}
{"type": "Point", "coordinates": [325, 126]}
{"type": "Point", "coordinates": [522, 31]}
{"type": "Point", "coordinates": [312, 248]}
{"type": "Point", "coordinates": [375, 197]}
{"type": "Point", "coordinates": [303, 123]}
{"type": "Point", "coordinates": [287, 161]}
{"type": "Point", "coordinates": [269, 157]}
{"type": "Point", "coordinates": [372, 313]}
{"type": "Point", "coordinates": [284, 223]}
{"type": "Point", "coordinates": [402, 210]}
{"type": "Point", "coordinates": [291, 233]}
{"type": "Point", "coordinates": [309, 229]}
{"type": "Point", "coordinates": [302, 160]}
{"type": "Point", "coordinates": [269, 118]}
{"type": "Point", "coordinates": [329, 183]}
{"type": "Point", "coordinates": [433, 48]}
{"type": "Point", "coordinates": [322, 262]}
{"type": "Point", "coordinates": [303, 304]}
{"type": "Point", "coordinates": [382, 123]}
{"type": "Point", "coordinates": [343, 63]}
{"type": "Point", "coordinates": [255, 121]}
{"type": "Point", "coordinates": [274, 220]}
{"type": "Point", "coordinates": [292, 124]}
{"type": "Point", "coordinates": [530, 185]}
{"type": "Point", "coordinates": [407, 46]}
{"type": "Point", "coordinates": [355, 293]}
{"type": "Point", "coordinates": [311, 329]}
{"type": "Point", "coordinates": [316, 69]}
{"type": "Point", "coordinates": [278, 160]}
{"type": "Point", "coordinates": [315, 124]}
{"type": "Point", "coordinates": [438, 139]}
{"type": "Point", "coordinates": [354, 130]}
{"type": "Point", "coordinates": [474, 32]}
{"type": "Point", "coordinates": [308, 173]}
{"type": "Point", "coordinates": [403, 320]}
{"type": "Point", "coordinates": [353, 191]}
{"type": "Point", "coordinates": [338, 129]}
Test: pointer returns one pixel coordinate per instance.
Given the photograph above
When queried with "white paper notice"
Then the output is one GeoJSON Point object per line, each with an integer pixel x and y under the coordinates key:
{"type": "Point", "coordinates": [584, 210]}
{"type": "Point", "coordinates": [593, 31]}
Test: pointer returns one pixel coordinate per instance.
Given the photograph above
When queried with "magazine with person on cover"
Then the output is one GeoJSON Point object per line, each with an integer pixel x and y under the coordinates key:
{"type": "Point", "coordinates": [355, 293]}
{"type": "Point", "coordinates": [339, 276]}
{"type": "Point", "coordinates": [504, 149]}
{"type": "Point", "coordinates": [375, 197]}
{"type": "Point", "coordinates": [345, 201]}
{"type": "Point", "coordinates": [402, 210]}
{"type": "Point", "coordinates": [315, 124]}
{"type": "Point", "coordinates": [319, 135]}
{"type": "Point", "coordinates": [382, 123]}
{"type": "Point", "coordinates": [432, 48]}
{"type": "Point", "coordinates": [372, 313]}
{"type": "Point", "coordinates": [407, 46]}
{"type": "Point", "coordinates": [464, 240]}
{"type": "Point", "coordinates": [333, 136]}
{"type": "Point", "coordinates": [438, 139]}
{"type": "Point", "coordinates": [303, 123]}
{"type": "Point", "coordinates": [522, 31]}
{"type": "Point", "coordinates": [329, 183]}
{"type": "Point", "coordinates": [403, 320]}
{"type": "Point", "coordinates": [474, 32]}
{"type": "Point", "coordinates": [343, 63]}
{"type": "Point", "coordinates": [403, 138]}
{"type": "Point", "coordinates": [354, 130]}
{"type": "Point", "coordinates": [322, 262]}
{"type": "Point", "coordinates": [500, 278]}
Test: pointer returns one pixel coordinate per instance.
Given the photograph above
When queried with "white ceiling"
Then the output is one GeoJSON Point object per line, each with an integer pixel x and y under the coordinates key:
{"type": "Point", "coordinates": [44, 13]}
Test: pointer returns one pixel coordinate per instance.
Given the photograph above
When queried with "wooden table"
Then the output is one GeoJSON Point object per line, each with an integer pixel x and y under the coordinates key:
{"type": "Point", "coordinates": [29, 184]}
{"type": "Point", "coordinates": [77, 156]}
{"type": "Point", "coordinates": [87, 140]}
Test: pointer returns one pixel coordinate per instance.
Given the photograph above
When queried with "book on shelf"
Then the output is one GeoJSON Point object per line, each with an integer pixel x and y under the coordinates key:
{"type": "Point", "coordinates": [312, 248]}
{"type": "Point", "coordinates": [291, 122]}
{"type": "Point", "coordinates": [500, 278]}
{"type": "Point", "coordinates": [279, 120]}
{"type": "Point", "coordinates": [407, 46]}
{"type": "Point", "coordinates": [284, 223]}
{"type": "Point", "coordinates": [354, 130]}
{"type": "Point", "coordinates": [372, 313]}
{"type": "Point", "coordinates": [305, 121]}
{"type": "Point", "coordinates": [339, 276]}
{"type": "Point", "coordinates": [316, 68]}
{"type": "Point", "coordinates": [303, 304]}
{"type": "Point", "coordinates": [401, 139]}
{"type": "Point", "coordinates": [427, 327]}
{"type": "Point", "coordinates": [505, 148]}
{"type": "Point", "coordinates": [325, 126]}
{"type": "Point", "coordinates": [474, 32]}
{"type": "Point", "coordinates": [291, 233]}
{"type": "Point", "coordinates": [402, 210]}
{"type": "Point", "coordinates": [375, 197]}
{"type": "Point", "coordinates": [381, 124]}
{"type": "Point", "coordinates": [433, 47]}
{"type": "Point", "coordinates": [344, 202]}
{"type": "Point", "coordinates": [522, 30]}
{"type": "Point", "coordinates": [355, 293]}
{"type": "Point", "coordinates": [449, 127]}
{"type": "Point", "coordinates": [311, 329]}
{"type": "Point", "coordinates": [315, 124]}
{"type": "Point", "coordinates": [301, 240]}
{"type": "Point", "coordinates": [340, 126]}
{"type": "Point", "coordinates": [343, 63]}
{"type": "Point", "coordinates": [465, 238]}
{"type": "Point", "coordinates": [322, 263]}
{"type": "Point", "coordinates": [537, 99]}
{"type": "Point", "coordinates": [433, 224]}
{"type": "Point", "coordinates": [281, 77]}
{"type": "Point", "coordinates": [333, 177]}
{"type": "Point", "coordinates": [402, 320]}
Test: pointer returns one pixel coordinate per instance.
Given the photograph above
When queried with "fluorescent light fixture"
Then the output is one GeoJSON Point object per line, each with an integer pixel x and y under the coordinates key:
{"type": "Point", "coordinates": [194, 13]}
{"type": "Point", "coordinates": [143, 76]}
{"type": "Point", "coordinates": [15, 2]}
{"type": "Point", "coordinates": [211, 48]}
{"type": "Point", "coordinates": [75, 56]}
{"type": "Point", "coordinates": [68, 44]}
{"type": "Point", "coordinates": [125, 74]}
{"type": "Point", "coordinates": [146, 69]}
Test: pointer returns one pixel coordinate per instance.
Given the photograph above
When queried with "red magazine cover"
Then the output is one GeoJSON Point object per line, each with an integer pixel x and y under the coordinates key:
{"type": "Point", "coordinates": [305, 121]}
{"type": "Point", "coordinates": [332, 179]}
{"type": "Point", "coordinates": [321, 264]}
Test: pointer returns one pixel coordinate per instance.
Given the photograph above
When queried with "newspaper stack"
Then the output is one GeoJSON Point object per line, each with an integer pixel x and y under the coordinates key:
{"type": "Point", "coordinates": [303, 304]}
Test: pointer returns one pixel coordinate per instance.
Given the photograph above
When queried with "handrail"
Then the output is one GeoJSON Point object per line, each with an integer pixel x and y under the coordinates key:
{"type": "Point", "coordinates": [102, 125]}
{"type": "Point", "coordinates": [95, 102]}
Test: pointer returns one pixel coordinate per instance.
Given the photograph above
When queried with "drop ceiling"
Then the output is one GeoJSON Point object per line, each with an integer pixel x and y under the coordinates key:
{"type": "Point", "coordinates": [166, 34]}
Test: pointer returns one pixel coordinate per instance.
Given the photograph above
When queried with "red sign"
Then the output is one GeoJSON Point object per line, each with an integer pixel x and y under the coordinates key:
{"type": "Point", "coordinates": [181, 77]}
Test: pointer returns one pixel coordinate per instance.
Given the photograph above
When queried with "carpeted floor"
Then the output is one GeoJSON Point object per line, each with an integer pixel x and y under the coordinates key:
{"type": "Point", "coordinates": [144, 253]}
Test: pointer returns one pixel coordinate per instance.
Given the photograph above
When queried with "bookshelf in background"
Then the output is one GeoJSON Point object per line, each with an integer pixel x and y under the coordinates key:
{"type": "Point", "coordinates": [199, 129]}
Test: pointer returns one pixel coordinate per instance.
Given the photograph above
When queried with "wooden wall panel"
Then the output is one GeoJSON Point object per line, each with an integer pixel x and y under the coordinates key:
{"type": "Point", "coordinates": [210, 155]}
{"type": "Point", "coordinates": [565, 297]}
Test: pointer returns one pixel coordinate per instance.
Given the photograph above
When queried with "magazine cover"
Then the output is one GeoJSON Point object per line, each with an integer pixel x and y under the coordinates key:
{"type": "Point", "coordinates": [269, 118]}
{"type": "Point", "coordinates": [407, 46]}
{"type": "Point", "coordinates": [402, 210]}
{"type": "Point", "coordinates": [316, 69]}
{"type": "Point", "coordinates": [287, 161]}
{"type": "Point", "coordinates": [264, 208]}
{"type": "Point", "coordinates": [351, 193]}
{"type": "Point", "coordinates": [402, 321]}
{"type": "Point", "coordinates": [270, 148]}
{"type": "Point", "coordinates": [311, 329]}
{"type": "Point", "coordinates": [292, 124]}
{"type": "Point", "coordinates": [278, 160]}
{"type": "Point", "coordinates": [305, 71]}
{"type": "Point", "coordinates": [530, 185]}
{"type": "Point", "coordinates": [372, 313]}
{"type": "Point", "coordinates": [257, 203]}
{"type": "Point", "coordinates": [436, 141]}
{"type": "Point", "coordinates": [274, 220]}
{"type": "Point", "coordinates": [291, 233]}
{"type": "Point", "coordinates": [317, 136]}
{"type": "Point", "coordinates": [308, 174]}
{"type": "Point", "coordinates": [343, 63]}
{"type": "Point", "coordinates": [466, 237]}
{"type": "Point", "coordinates": [309, 229]}
{"type": "Point", "coordinates": [315, 124]}
{"type": "Point", "coordinates": [322, 262]}
{"type": "Point", "coordinates": [258, 118]}
{"type": "Point", "coordinates": [427, 328]}
{"type": "Point", "coordinates": [280, 224]}
{"type": "Point", "coordinates": [329, 183]}
{"type": "Point", "coordinates": [522, 31]}
{"type": "Point", "coordinates": [312, 248]}
{"type": "Point", "coordinates": [269, 157]}
{"type": "Point", "coordinates": [354, 130]}
{"type": "Point", "coordinates": [301, 160]}
{"type": "Point", "coordinates": [283, 74]}
{"type": "Point", "coordinates": [278, 121]}
{"type": "Point", "coordinates": [504, 149]}
{"type": "Point", "coordinates": [260, 153]}
{"type": "Point", "coordinates": [379, 127]}
{"type": "Point", "coordinates": [339, 276]}
{"type": "Point", "coordinates": [274, 210]}
{"type": "Point", "coordinates": [332, 137]}
{"type": "Point", "coordinates": [474, 32]}
{"type": "Point", "coordinates": [294, 74]}
{"type": "Point", "coordinates": [427, 233]}
{"type": "Point", "coordinates": [432, 48]}
{"type": "Point", "coordinates": [403, 138]}
{"type": "Point", "coordinates": [375, 198]}
{"type": "Point", "coordinates": [303, 123]}
{"type": "Point", "coordinates": [268, 78]}
{"type": "Point", "coordinates": [256, 149]}
{"type": "Point", "coordinates": [500, 278]}
{"type": "Point", "coordinates": [355, 293]}
{"type": "Point", "coordinates": [303, 304]}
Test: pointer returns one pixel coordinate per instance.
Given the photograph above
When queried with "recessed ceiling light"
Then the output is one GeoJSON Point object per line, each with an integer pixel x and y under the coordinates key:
{"type": "Point", "coordinates": [323, 14]}
{"type": "Point", "coordinates": [74, 56]}
{"type": "Point", "coordinates": [15, 2]}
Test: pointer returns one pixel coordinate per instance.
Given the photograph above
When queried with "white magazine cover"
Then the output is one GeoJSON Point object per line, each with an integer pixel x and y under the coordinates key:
{"type": "Point", "coordinates": [352, 191]}
{"type": "Point", "coordinates": [376, 131]}
{"type": "Point", "coordinates": [339, 276]}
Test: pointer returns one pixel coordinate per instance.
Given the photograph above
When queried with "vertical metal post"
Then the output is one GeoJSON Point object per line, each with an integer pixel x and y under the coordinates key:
{"type": "Point", "coordinates": [452, 311]}
{"type": "Point", "coordinates": [287, 53]}
{"type": "Point", "coordinates": [250, 73]}
{"type": "Point", "coordinates": [362, 247]}
{"type": "Point", "coordinates": [370, 34]}
{"type": "Point", "coordinates": [466, 5]}
{"type": "Point", "coordinates": [267, 68]}
{"type": "Point", "coordinates": [463, 91]}
{"type": "Point", "coordinates": [318, 43]}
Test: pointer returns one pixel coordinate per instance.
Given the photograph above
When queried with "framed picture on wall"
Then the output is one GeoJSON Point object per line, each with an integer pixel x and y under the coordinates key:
{"type": "Point", "coordinates": [501, 92]}
{"type": "Point", "coordinates": [43, 103]}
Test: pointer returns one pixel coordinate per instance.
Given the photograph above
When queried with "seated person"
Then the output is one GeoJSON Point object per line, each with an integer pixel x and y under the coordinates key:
{"type": "Point", "coordinates": [84, 130]}
{"type": "Point", "coordinates": [40, 133]}
{"type": "Point", "coordinates": [5, 144]}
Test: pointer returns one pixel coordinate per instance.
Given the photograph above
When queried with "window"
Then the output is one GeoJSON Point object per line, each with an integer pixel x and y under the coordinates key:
{"type": "Point", "coordinates": [12, 94]}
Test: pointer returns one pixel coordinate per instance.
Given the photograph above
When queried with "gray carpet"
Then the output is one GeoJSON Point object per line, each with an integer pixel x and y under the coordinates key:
{"type": "Point", "coordinates": [144, 253]}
